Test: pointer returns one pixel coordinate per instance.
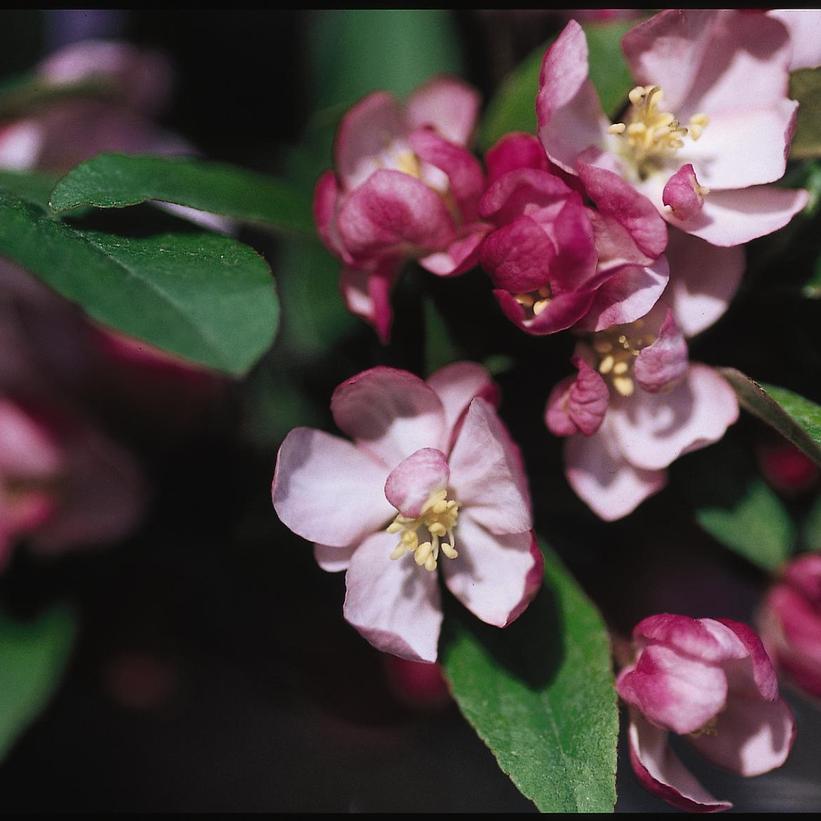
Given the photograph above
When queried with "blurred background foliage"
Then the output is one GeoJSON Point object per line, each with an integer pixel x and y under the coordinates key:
{"type": "Point", "coordinates": [207, 665]}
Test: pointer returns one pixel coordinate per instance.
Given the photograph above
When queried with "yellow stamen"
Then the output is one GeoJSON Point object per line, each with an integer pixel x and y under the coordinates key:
{"type": "Point", "coordinates": [623, 385]}
{"type": "Point", "coordinates": [408, 163]}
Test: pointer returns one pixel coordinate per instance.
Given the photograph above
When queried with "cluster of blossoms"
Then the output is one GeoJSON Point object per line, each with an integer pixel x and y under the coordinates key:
{"type": "Point", "coordinates": [628, 234]}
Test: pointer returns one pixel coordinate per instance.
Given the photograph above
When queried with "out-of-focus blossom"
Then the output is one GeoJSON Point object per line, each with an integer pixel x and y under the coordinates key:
{"type": "Point", "coordinates": [786, 468]}
{"type": "Point", "coordinates": [431, 471]}
{"type": "Point", "coordinates": [790, 623]}
{"type": "Point", "coordinates": [556, 261]}
{"type": "Point", "coordinates": [637, 403]}
{"type": "Point", "coordinates": [415, 684]}
{"type": "Point", "coordinates": [712, 682]}
{"type": "Point", "coordinates": [709, 125]}
{"type": "Point", "coordinates": [63, 485]}
{"type": "Point", "coordinates": [404, 186]}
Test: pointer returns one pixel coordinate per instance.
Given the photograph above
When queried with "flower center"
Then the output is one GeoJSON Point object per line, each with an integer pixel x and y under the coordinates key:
{"type": "Point", "coordinates": [438, 517]}
{"type": "Point", "coordinates": [616, 352]}
{"type": "Point", "coordinates": [534, 302]}
{"type": "Point", "coordinates": [651, 136]}
{"type": "Point", "coordinates": [710, 728]}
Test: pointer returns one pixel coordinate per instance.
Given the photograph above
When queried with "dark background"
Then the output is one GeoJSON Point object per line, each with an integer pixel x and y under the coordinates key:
{"type": "Point", "coordinates": [213, 669]}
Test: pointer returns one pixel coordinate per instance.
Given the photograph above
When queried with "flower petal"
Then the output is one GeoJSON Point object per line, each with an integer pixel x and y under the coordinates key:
{"type": "Point", "coordinates": [653, 430]}
{"type": "Point", "coordinates": [683, 194]}
{"type": "Point", "coordinates": [495, 577]}
{"type": "Point", "coordinates": [673, 691]}
{"type": "Point", "coordinates": [448, 104]}
{"type": "Point", "coordinates": [804, 27]}
{"type": "Point", "coordinates": [487, 474]}
{"type": "Point", "coordinates": [367, 294]}
{"type": "Point", "coordinates": [390, 413]}
{"type": "Point", "coordinates": [661, 772]}
{"type": "Point", "coordinates": [751, 737]}
{"type": "Point", "coordinates": [664, 363]}
{"type": "Point", "coordinates": [411, 483]}
{"type": "Point", "coordinates": [461, 255]}
{"type": "Point", "coordinates": [569, 114]}
{"type": "Point", "coordinates": [393, 212]}
{"type": "Point", "coordinates": [516, 150]}
{"type": "Point", "coordinates": [609, 485]}
{"type": "Point", "coordinates": [328, 491]}
{"type": "Point", "coordinates": [333, 559]}
{"type": "Point", "coordinates": [27, 449]}
{"type": "Point", "coordinates": [702, 639]}
{"type": "Point", "coordinates": [704, 280]}
{"type": "Point", "coordinates": [394, 604]}
{"type": "Point", "coordinates": [364, 133]}
{"type": "Point", "coordinates": [562, 311]}
{"type": "Point", "coordinates": [627, 295]}
{"type": "Point", "coordinates": [577, 404]}
{"type": "Point", "coordinates": [762, 673]}
{"type": "Point", "coordinates": [326, 201]}
{"type": "Point", "coordinates": [456, 385]}
{"type": "Point", "coordinates": [518, 256]}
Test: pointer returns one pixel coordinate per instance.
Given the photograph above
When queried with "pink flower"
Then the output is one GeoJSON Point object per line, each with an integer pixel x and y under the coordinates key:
{"type": "Point", "coordinates": [637, 403]}
{"type": "Point", "coordinates": [63, 485]}
{"type": "Point", "coordinates": [403, 187]}
{"type": "Point", "coordinates": [790, 622]}
{"type": "Point", "coordinates": [711, 681]}
{"type": "Point", "coordinates": [709, 125]}
{"type": "Point", "coordinates": [556, 261]}
{"type": "Point", "coordinates": [431, 470]}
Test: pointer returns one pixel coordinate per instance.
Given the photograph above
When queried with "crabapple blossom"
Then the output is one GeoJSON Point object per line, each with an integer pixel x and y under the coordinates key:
{"type": "Point", "coordinates": [637, 403]}
{"type": "Point", "coordinates": [708, 126]}
{"type": "Point", "coordinates": [432, 477]}
{"type": "Point", "coordinates": [790, 622]}
{"type": "Point", "coordinates": [404, 186]}
{"type": "Point", "coordinates": [710, 681]}
{"type": "Point", "coordinates": [554, 259]}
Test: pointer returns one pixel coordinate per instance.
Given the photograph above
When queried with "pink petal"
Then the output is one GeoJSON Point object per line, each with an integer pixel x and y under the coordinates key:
{"type": "Point", "coordinates": [328, 491]}
{"type": "Point", "coordinates": [722, 166]}
{"type": "Point", "coordinates": [577, 404]}
{"type": "Point", "coordinates": [673, 691]}
{"type": "Point", "coordinates": [495, 577]}
{"type": "Point", "coordinates": [365, 131]}
{"type": "Point", "coordinates": [411, 483]}
{"type": "Point", "coordinates": [487, 475]}
{"type": "Point", "coordinates": [627, 296]}
{"type": "Point", "coordinates": [367, 295]}
{"type": "Point", "coordinates": [609, 485]}
{"type": "Point", "coordinates": [513, 151]}
{"type": "Point", "coordinates": [751, 737]}
{"type": "Point", "coordinates": [762, 671]}
{"type": "Point", "coordinates": [653, 430]}
{"type": "Point", "coordinates": [539, 194]}
{"type": "Point", "coordinates": [619, 201]}
{"type": "Point", "coordinates": [563, 311]}
{"type": "Point", "coordinates": [736, 217]}
{"type": "Point", "coordinates": [660, 771]}
{"type": "Point", "coordinates": [804, 27]}
{"type": "Point", "coordinates": [390, 413]}
{"type": "Point", "coordinates": [568, 110]}
{"type": "Point", "coordinates": [21, 144]}
{"type": "Point", "coordinates": [448, 104]}
{"type": "Point", "coordinates": [702, 639]}
{"type": "Point", "coordinates": [393, 603]}
{"type": "Point", "coordinates": [333, 559]}
{"type": "Point", "coordinates": [463, 170]}
{"type": "Point", "coordinates": [326, 201]}
{"type": "Point", "coordinates": [461, 255]}
{"type": "Point", "coordinates": [667, 50]}
{"type": "Point", "coordinates": [456, 385]}
{"type": "Point", "coordinates": [393, 212]}
{"type": "Point", "coordinates": [704, 280]}
{"type": "Point", "coordinates": [681, 193]}
{"type": "Point", "coordinates": [27, 449]}
{"type": "Point", "coordinates": [518, 256]}
{"type": "Point", "coordinates": [663, 364]}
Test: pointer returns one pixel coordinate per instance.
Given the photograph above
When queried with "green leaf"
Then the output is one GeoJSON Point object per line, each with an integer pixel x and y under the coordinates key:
{"type": "Point", "coordinates": [117, 181]}
{"type": "Point", "coordinates": [793, 416]}
{"type": "Point", "coordinates": [33, 656]}
{"type": "Point", "coordinates": [805, 86]}
{"type": "Point", "coordinates": [811, 531]}
{"type": "Point", "coordinates": [356, 51]}
{"type": "Point", "coordinates": [32, 186]}
{"type": "Point", "coordinates": [204, 297]}
{"type": "Point", "coordinates": [540, 694]}
{"type": "Point", "coordinates": [513, 108]}
{"type": "Point", "coordinates": [757, 526]}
